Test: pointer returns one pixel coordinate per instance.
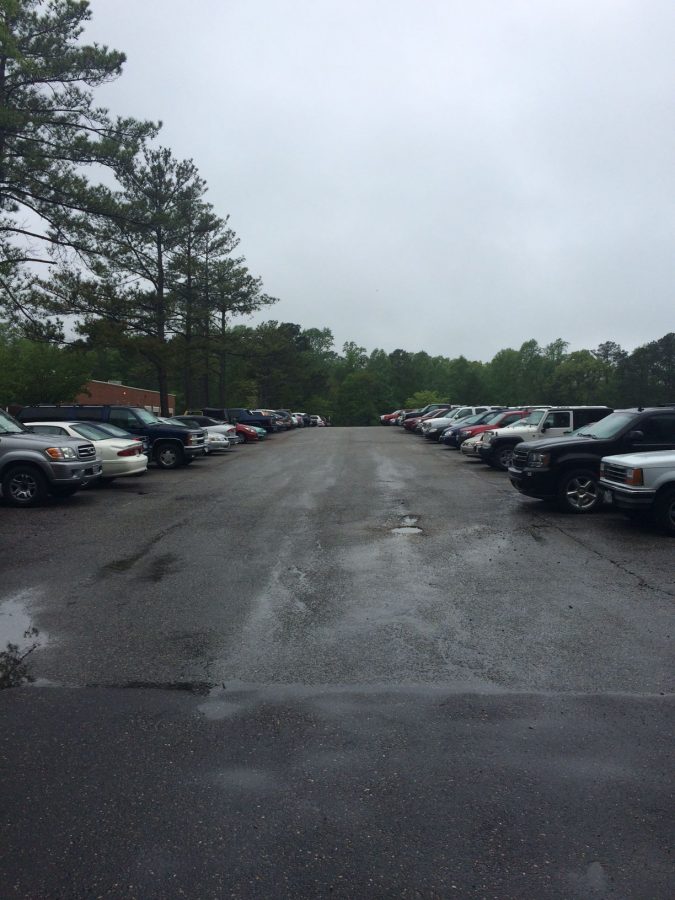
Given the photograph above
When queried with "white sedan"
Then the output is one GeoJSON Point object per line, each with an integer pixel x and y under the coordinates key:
{"type": "Point", "coordinates": [119, 455]}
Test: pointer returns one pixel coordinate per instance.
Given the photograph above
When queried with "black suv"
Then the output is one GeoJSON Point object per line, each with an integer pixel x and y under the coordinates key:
{"type": "Point", "coordinates": [568, 468]}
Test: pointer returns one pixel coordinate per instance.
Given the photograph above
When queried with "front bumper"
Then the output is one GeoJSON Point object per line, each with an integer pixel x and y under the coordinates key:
{"type": "Point", "coordinates": [628, 498]}
{"type": "Point", "coordinates": [539, 483]}
{"type": "Point", "coordinates": [81, 473]}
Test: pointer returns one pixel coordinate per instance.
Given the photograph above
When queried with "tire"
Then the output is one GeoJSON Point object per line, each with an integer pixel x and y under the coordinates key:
{"type": "Point", "coordinates": [24, 485]}
{"type": "Point", "coordinates": [579, 491]}
{"type": "Point", "coordinates": [169, 456]}
{"type": "Point", "coordinates": [664, 510]}
{"type": "Point", "coordinates": [500, 458]}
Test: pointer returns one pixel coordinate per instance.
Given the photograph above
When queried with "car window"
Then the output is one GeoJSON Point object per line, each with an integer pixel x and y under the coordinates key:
{"type": "Point", "coordinates": [8, 424]}
{"type": "Point", "coordinates": [113, 431]}
{"type": "Point", "coordinates": [558, 419]}
{"type": "Point", "coordinates": [91, 432]}
{"type": "Point", "coordinates": [124, 418]}
{"type": "Point", "coordinates": [48, 429]}
{"type": "Point", "coordinates": [659, 429]}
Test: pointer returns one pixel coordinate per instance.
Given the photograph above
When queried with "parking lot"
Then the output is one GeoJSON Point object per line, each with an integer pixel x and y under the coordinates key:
{"type": "Point", "coordinates": [342, 662]}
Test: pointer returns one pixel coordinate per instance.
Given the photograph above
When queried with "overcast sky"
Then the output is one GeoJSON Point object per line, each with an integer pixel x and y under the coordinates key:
{"type": "Point", "coordinates": [455, 177]}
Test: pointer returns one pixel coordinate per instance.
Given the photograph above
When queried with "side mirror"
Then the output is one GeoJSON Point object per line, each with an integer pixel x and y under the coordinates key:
{"type": "Point", "coordinates": [636, 436]}
{"type": "Point", "coordinates": [546, 426]}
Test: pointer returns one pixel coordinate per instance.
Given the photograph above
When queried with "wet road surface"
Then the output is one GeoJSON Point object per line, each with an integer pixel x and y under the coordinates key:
{"type": "Point", "coordinates": [342, 663]}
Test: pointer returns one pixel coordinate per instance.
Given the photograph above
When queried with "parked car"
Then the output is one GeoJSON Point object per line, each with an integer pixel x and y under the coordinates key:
{"type": "Point", "coordinates": [545, 421]}
{"type": "Point", "coordinates": [114, 431]}
{"type": "Point", "coordinates": [430, 407]}
{"type": "Point", "coordinates": [470, 448]}
{"type": "Point", "coordinates": [568, 468]}
{"type": "Point", "coordinates": [305, 418]}
{"type": "Point", "coordinates": [450, 435]}
{"type": "Point", "coordinates": [171, 445]}
{"type": "Point", "coordinates": [642, 483]}
{"type": "Point", "coordinates": [250, 433]}
{"type": "Point", "coordinates": [34, 465]}
{"type": "Point", "coordinates": [455, 437]}
{"type": "Point", "coordinates": [219, 435]}
{"type": "Point", "coordinates": [235, 414]}
{"type": "Point", "coordinates": [415, 423]}
{"type": "Point", "coordinates": [119, 456]}
{"type": "Point", "coordinates": [390, 418]}
{"type": "Point", "coordinates": [286, 418]}
{"type": "Point", "coordinates": [433, 428]}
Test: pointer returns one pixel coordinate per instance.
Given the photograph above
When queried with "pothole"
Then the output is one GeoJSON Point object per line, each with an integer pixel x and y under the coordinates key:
{"type": "Point", "coordinates": [408, 526]}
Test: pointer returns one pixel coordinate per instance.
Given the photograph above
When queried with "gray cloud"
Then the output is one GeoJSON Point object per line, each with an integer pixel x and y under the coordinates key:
{"type": "Point", "coordinates": [440, 175]}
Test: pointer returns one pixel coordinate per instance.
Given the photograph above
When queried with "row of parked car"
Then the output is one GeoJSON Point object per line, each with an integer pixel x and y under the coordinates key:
{"type": "Point", "coordinates": [58, 449]}
{"type": "Point", "coordinates": [579, 456]}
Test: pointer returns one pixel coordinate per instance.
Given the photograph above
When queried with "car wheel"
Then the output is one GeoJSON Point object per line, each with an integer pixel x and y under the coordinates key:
{"type": "Point", "coordinates": [24, 486]}
{"type": "Point", "coordinates": [169, 456]}
{"type": "Point", "coordinates": [664, 510]}
{"type": "Point", "coordinates": [500, 458]}
{"type": "Point", "coordinates": [579, 492]}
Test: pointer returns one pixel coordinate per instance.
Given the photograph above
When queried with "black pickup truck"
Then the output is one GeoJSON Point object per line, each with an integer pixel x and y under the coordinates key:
{"type": "Point", "coordinates": [239, 414]}
{"type": "Point", "coordinates": [170, 446]}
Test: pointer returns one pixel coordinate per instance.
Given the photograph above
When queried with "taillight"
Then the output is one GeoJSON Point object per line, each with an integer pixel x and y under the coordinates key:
{"type": "Point", "coordinates": [130, 451]}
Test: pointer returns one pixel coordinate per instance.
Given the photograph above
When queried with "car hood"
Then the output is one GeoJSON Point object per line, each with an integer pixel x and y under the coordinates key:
{"type": "Point", "coordinates": [665, 458]}
{"type": "Point", "coordinates": [44, 439]}
{"type": "Point", "coordinates": [574, 443]}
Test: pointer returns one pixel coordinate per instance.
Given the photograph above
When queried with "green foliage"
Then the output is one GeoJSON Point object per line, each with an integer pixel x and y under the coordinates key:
{"type": "Point", "coordinates": [50, 131]}
{"type": "Point", "coordinates": [33, 372]}
{"type": "Point", "coordinates": [420, 399]}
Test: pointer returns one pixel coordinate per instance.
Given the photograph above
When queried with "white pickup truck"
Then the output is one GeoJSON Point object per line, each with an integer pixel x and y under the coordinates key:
{"type": "Point", "coordinates": [642, 483]}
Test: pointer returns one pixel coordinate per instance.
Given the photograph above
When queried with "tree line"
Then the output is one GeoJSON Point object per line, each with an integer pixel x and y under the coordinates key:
{"type": "Point", "coordinates": [282, 365]}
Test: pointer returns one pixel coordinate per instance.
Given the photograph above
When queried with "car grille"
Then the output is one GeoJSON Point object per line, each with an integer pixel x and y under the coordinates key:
{"type": "Point", "coordinates": [86, 451]}
{"type": "Point", "coordinates": [519, 458]}
{"type": "Point", "coordinates": [614, 473]}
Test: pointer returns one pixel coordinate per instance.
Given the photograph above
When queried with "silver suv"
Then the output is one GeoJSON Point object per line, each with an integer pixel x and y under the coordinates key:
{"type": "Point", "coordinates": [35, 465]}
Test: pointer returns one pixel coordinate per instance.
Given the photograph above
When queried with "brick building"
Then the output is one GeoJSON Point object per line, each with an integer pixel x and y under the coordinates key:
{"type": "Point", "coordinates": [114, 392]}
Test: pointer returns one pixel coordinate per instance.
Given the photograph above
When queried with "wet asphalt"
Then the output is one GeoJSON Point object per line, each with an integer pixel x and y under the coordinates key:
{"type": "Point", "coordinates": [342, 663]}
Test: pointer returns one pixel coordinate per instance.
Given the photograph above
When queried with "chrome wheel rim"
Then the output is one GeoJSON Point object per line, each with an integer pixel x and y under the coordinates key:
{"type": "Point", "coordinates": [582, 493]}
{"type": "Point", "coordinates": [23, 487]}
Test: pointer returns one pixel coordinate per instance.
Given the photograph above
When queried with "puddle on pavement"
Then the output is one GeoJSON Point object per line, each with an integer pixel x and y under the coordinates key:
{"type": "Point", "coordinates": [16, 620]}
{"type": "Point", "coordinates": [408, 526]}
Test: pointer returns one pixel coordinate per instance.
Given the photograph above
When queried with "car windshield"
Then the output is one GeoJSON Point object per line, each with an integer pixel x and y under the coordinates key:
{"type": "Point", "coordinates": [113, 430]}
{"type": "Point", "coordinates": [608, 427]}
{"type": "Point", "coordinates": [473, 420]}
{"type": "Point", "coordinates": [494, 418]}
{"type": "Point", "coordinates": [534, 417]}
{"type": "Point", "coordinates": [9, 425]}
{"type": "Point", "coordinates": [90, 432]}
{"type": "Point", "coordinates": [147, 418]}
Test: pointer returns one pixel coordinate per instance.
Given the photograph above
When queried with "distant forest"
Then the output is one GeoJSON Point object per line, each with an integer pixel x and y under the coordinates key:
{"type": "Point", "coordinates": [280, 365]}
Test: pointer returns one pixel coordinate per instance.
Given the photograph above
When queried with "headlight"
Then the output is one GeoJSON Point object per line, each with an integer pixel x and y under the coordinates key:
{"type": "Point", "coordinates": [634, 477]}
{"type": "Point", "coordinates": [489, 436]}
{"type": "Point", "coordinates": [464, 432]}
{"type": "Point", "coordinates": [538, 460]}
{"type": "Point", "coordinates": [61, 453]}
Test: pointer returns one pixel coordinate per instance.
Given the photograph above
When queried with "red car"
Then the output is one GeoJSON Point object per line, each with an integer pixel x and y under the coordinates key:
{"type": "Point", "coordinates": [411, 424]}
{"type": "Point", "coordinates": [249, 434]}
{"type": "Point", "coordinates": [390, 418]}
{"type": "Point", "coordinates": [500, 420]}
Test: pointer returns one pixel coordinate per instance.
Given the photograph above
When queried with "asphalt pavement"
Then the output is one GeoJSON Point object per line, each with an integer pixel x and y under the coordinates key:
{"type": "Point", "coordinates": [341, 663]}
